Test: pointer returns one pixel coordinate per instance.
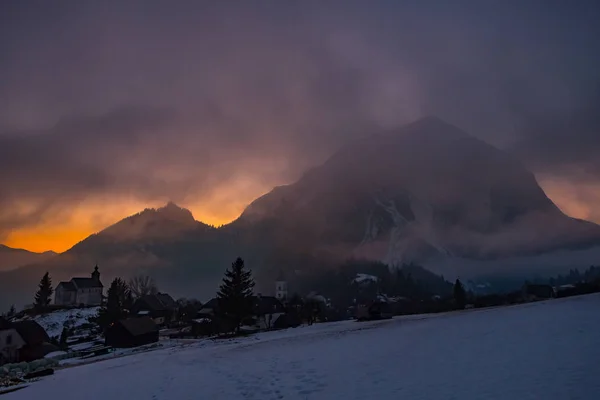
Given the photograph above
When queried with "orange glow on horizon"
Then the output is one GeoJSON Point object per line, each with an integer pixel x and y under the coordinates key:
{"type": "Point", "coordinates": [218, 208]}
{"type": "Point", "coordinates": [576, 199]}
{"type": "Point", "coordinates": [60, 238]}
{"type": "Point", "coordinates": [59, 233]}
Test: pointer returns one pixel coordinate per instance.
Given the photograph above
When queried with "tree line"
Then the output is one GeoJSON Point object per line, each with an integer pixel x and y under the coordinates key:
{"type": "Point", "coordinates": [235, 297]}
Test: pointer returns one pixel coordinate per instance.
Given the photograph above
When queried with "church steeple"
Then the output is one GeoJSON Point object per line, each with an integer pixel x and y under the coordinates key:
{"type": "Point", "coordinates": [96, 273]}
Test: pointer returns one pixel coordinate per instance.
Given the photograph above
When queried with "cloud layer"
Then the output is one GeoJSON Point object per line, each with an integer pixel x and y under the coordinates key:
{"type": "Point", "coordinates": [210, 105]}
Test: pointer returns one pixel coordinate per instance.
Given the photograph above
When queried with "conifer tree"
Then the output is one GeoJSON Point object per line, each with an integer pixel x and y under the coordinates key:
{"type": "Point", "coordinates": [44, 294]}
{"type": "Point", "coordinates": [460, 296]}
{"type": "Point", "coordinates": [235, 294]}
{"type": "Point", "coordinates": [117, 301]}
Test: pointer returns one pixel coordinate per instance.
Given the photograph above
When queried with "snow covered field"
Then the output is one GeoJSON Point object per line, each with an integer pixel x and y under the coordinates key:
{"type": "Point", "coordinates": [547, 350]}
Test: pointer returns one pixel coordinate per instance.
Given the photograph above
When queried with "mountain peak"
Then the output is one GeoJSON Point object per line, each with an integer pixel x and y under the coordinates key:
{"type": "Point", "coordinates": [171, 206]}
{"type": "Point", "coordinates": [173, 211]}
{"type": "Point", "coordinates": [165, 221]}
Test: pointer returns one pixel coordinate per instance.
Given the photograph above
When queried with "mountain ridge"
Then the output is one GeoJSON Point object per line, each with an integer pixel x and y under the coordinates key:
{"type": "Point", "coordinates": [424, 193]}
{"type": "Point", "coordinates": [12, 258]}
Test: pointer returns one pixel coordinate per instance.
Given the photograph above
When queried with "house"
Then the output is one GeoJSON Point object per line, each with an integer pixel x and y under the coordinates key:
{"type": "Point", "coordinates": [267, 310]}
{"type": "Point", "coordinates": [210, 325]}
{"type": "Point", "coordinates": [10, 342]}
{"type": "Point", "coordinates": [160, 307]}
{"type": "Point", "coordinates": [23, 341]}
{"type": "Point", "coordinates": [209, 309]}
{"type": "Point", "coordinates": [80, 291]}
{"type": "Point", "coordinates": [188, 311]}
{"type": "Point", "coordinates": [287, 320]}
{"type": "Point", "coordinates": [373, 310]}
{"type": "Point", "coordinates": [203, 327]}
{"type": "Point", "coordinates": [132, 332]}
{"type": "Point", "coordinates": [533, 292]}
{"type": "Point", "coordinates": [207, 323]}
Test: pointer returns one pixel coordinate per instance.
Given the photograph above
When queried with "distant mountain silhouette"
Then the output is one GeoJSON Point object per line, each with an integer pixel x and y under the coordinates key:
{"type": "Point", "coordinates": [13, 258]}
{"type": "Point", "coordinates": [427, 193]}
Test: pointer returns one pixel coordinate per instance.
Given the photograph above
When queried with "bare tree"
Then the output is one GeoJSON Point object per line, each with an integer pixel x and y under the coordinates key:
{"type": "Point", "coordinates": [142, 285]}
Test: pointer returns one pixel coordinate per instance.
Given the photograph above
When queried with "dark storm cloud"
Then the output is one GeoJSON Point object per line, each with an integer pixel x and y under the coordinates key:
{"type": "Point", "coordinates": [564, 142]}
{"type": "Point", "coordinates": [262, 88]}
{"type": "Point", "coordinates": [563, 147]}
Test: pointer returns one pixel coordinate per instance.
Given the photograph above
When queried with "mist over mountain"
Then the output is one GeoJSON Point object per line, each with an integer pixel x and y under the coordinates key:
{"type": "Point", "coordinates": [426, 193]}
{"type": "Point", "coordinates": [427, 190]}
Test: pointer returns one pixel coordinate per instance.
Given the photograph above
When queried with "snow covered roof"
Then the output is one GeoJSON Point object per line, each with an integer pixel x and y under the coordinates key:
{"type": "Point", "coordinates": [568, 286]}
{"type": "Point", "coordinates": [360, 278]}
{"type": "Point", "coordinates": [382, 298]}
{"type": "Point", "coordinates": [53, 322]}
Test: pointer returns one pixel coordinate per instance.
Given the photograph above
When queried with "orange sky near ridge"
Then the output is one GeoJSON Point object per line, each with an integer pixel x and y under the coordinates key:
{"type": "Point", "coordinates": [222, 206]}
{"type": "Point", "coordinates": [61, 232]}
{"type": "Point", "coordinates": [62, 236]}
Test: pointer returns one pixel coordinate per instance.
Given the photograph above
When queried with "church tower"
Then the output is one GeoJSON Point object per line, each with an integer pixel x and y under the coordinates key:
{"type": "Point", "coordinates": [281, 287]}
{"type": "Point", "coordinates": [96, 274]}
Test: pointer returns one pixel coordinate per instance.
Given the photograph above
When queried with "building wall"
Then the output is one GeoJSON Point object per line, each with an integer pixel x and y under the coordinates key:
{"type": "Point", "coordinates": [267, 321]}
{"type": "Point", "coordinates": [10, 343]}
{"type": "Point", "coordinates": [89, 296]}
{"type": "Point", "coordinates": [117, 336]}
{"type": "Point", "coordinates": [281, 290]}
{"type": "Point", "coordinates": [64, 297]}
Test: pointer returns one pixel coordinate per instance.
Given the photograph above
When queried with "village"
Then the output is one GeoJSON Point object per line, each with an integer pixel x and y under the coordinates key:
{"type": "Point", "coordinates": [84, 325]}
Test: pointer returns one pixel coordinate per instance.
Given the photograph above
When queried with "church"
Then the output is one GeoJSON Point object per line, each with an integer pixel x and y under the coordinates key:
{"type": "Point", "coordinates": [80, 291]}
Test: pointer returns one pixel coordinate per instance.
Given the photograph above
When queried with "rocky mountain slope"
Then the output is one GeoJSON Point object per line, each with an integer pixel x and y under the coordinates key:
{"type": "Point", "coordinates": [426, 191]}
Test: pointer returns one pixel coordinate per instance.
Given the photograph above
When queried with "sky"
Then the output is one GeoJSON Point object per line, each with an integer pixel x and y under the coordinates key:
{"type": "Point", "coordinates": [110, 107]}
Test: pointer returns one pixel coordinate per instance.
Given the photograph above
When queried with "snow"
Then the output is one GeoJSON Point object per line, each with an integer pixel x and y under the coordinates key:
{"type": "Point", "coordinates": [532, 351]}
{"type": "Point", "coordinates": [82, 346]}
{"type": "Point", "coordinates": [116, 353]}
{"type": "Point", "coordinates": [55, 354]}
{"type": "Point", "coordinates": [382, 298]}
{"type": "Point", "coordinates": [361, 278]}
{"type": "Point", "coordinates": [53, 322]}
